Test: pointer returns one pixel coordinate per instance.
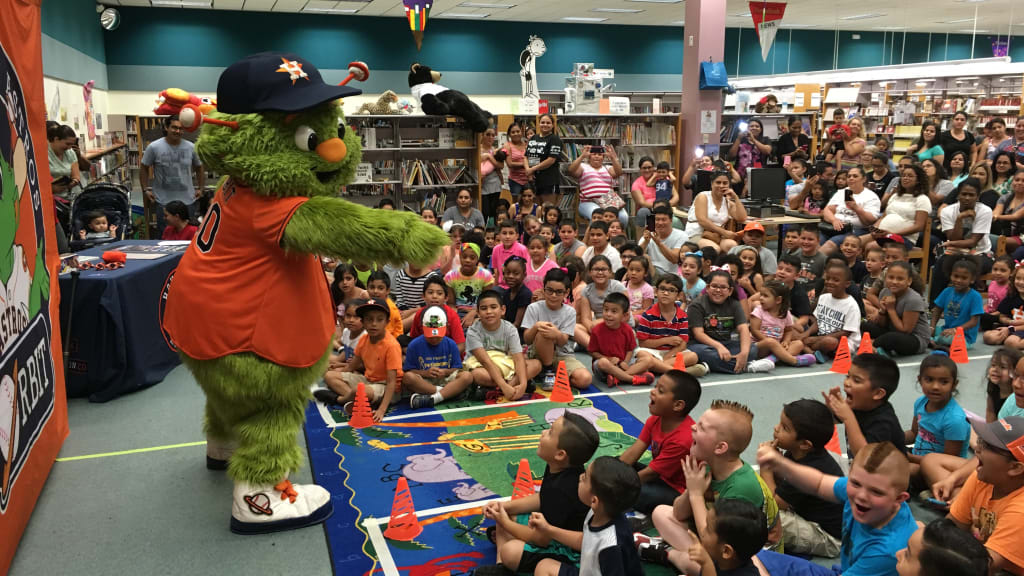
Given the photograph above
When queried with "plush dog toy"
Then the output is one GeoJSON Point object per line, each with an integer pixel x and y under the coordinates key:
{"type": "Point", "coordinates": [248, 307]}
{"type": "Point", "coordinates": [436, 99]}
{"type": "Point", "coordinates": [383, 105]}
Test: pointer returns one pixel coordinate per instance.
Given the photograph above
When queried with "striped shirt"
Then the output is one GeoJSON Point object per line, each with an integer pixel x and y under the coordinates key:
{"type": "Point", "coordinates": [651, 325]}
{"type": "Point", "coordinates": [594, 183]}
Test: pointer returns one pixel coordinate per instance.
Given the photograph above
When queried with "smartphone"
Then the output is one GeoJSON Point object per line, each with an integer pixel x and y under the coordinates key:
{"type": "Point", "coordinates": [597, 149]}
{"type": "Point", "coordinates": [849, 195]}
{"type": "Point", "coordinates": [786, 160]}
{"type": "Point", "coordinates": [743, 126]}
{"type": "Point", "coordinates": [698, 152]}
{"type": "Point", "coordinates": [810, 171]}
{"type": "Point", "coordinates": [650, 222]}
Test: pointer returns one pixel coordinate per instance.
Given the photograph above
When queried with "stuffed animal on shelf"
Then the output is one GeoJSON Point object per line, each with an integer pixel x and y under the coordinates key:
{"type": "Point", "coordinates": [169, 102]}
{"type": "Point", "coordinates": [768, 105]}
{"type": "Point", "coordinates": [256, 347]}
{"type": "Point", "coordinates": [382, 105]}
{"type": "Point", "coordinates": [406, 106]}
{"type": "Point", "coordinates": [438, 100]}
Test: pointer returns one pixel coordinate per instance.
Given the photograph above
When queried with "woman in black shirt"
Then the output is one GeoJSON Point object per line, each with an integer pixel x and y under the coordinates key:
{"type": "Point", "coordinates": [543, 152]}
{"type": "Point", "coordinates": [956, 138]}
{"type": "Point", "coordinates": [793, 140]}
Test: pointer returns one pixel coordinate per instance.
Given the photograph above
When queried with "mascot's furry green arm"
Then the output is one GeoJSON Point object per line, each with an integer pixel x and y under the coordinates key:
{"type": "Point", "coordinates": [248, 306]}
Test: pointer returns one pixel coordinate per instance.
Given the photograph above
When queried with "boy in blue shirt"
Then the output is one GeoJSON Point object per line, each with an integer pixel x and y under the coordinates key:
{"type": "Point", "coordinates": [433, 363]}
{"type": "Point", "coordinates": [958, 306]}
{"type": "Point", "coordinates": [877, 521]}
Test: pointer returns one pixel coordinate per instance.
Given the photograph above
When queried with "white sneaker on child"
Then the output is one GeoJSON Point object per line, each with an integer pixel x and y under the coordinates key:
{"type": "Point", "coordinates": [762, 365]}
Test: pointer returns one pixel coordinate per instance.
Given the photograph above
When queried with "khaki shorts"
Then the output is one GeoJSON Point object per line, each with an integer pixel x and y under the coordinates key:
{"type": "Point", "coordinates": [666, 355]}
{"type": "Point", "coordinates": [503, 361]}
{"type": "Point", "coordinates": [805, 537]}
{"type": "Point", "coordinates": [571, 363]}
{"type": "Point", "coordinates": [354, 378]}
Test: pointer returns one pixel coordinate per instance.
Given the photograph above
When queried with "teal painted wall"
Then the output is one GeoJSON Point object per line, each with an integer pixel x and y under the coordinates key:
{"type": "Point", "coordinates": [188, 47]}
{"type": "Point", "coordinates": [76, 24]}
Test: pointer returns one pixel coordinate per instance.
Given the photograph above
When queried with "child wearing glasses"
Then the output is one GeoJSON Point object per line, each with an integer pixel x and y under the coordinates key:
{"type": "Point", "coordinates": [548, 328]}
{"type": "Point", "coordinates": [714, 318]}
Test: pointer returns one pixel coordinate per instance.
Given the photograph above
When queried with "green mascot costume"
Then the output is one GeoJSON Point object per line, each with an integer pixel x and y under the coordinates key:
{"type": "Point", "coordinates": [248, 307]}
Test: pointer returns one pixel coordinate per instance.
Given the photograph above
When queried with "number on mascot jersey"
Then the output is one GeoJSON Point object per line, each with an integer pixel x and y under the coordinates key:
{"type": "Point", "coordinates": [208, 234]}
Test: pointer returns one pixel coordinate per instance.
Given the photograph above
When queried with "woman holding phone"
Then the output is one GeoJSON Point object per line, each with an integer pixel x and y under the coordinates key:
{"type": "Point", "coordinates": [852, 210]}
{"type": "Point", "coordinates": [63, 161]}
{"type": "Point", "coordinates": [711, 211]}
{"type": "Point", "coordinates": [751, 149]}
{"type": "Point", "coordinates": [793, 140]}
{"type": "Point", "coordinates": [597, 181]}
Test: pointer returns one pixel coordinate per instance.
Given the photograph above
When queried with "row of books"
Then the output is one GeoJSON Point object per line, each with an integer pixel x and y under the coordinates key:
{"type": "Point", "coordinates": [638, 134]}
{"type": "Point", "coordinates": [435, 172]}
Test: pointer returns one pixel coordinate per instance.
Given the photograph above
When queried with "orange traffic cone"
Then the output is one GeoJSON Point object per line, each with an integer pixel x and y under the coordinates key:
{"type": "Point", "coordinates": [866, 347]}
{"type": "Point", "coordinates": [362, 415]}
{"type": "Point", "coordinates": [841, 363]}
{"type": "Point", "coordinates": [680, 364]}
{"type": "Point", "coordinates": [833, 444]}
{"type": "Point", "coordinates": [958, 351]}
{"type": "Point", "coordinates": [523, 485]}
{"type": "Point", "coordinates": [403, 524]}
{"type": "Point", "coordinates": [562, 392]}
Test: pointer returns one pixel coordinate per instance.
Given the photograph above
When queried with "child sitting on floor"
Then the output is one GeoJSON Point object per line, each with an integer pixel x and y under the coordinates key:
{"type": "Point", "coordinates": [608, 488]}
{"type": "Point", "coordinates": [508, 246]}
{"type": "Point", "coordinates": [565, 447]}
{"type": "Point", "coordinates": [899, 326]}
{"type": "Point", "coordinates": [468, 281]}
{"type": "Point", "coordinates": [549, 326]}
{"type": "Point", "coordinates": [590, 306]}
{"type": "Point", "coordinates": [958, 306]}
{"type": "Point", "coordinates": [810, 525]}
{"type": "Point", "coordinates": [663, 331]}
{"type": "Point", "coordinates": [570, 243]}
{"type": "Point", "coordinates": [377, 362]}
{"type": "Point", "coordinates": [736, 531]}
{"type": "Point", "coordinates": [1011, 315]}
{"type": "Point", "coordinates": [379, 287]}
{"type": "Point", "coordinates": [613, 344]}
{"type": "Point", "coordinates": [640, 292]}
{"type": "Point", "coordinates": [715, 317]}
{"type": "Point", "coordinates": [866, 412]}
{"type": "Point", "coordinates": [771, 326]}
{"type": "Point", "coordinates": [690, 271]}
{"type": "Point", "coordinates": [597, 237]}
{"type": "Point", "coordinates": [668, 433]}
{"type": "Point", "coordinates": [515, 297]}
{"type": "Point", "coordinates": [433, 363]}
{"type": "Point", "coordinates": [496, 353]}
{"type": "Point", "coordinates": [435, 293]}
{"type": "Point", "coordinates": [940, 424]}
{"type": "Point", "coordinates": [998, 289]}
{"type": "Point", "coordinates": [835, 315]}
{"type": "Point", "coordinates": [876, 518]}
{"type": "Point", "coordinates": [537, 265]}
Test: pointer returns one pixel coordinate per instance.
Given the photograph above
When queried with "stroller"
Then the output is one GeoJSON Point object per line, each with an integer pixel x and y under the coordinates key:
{"type": "Point", "coordinates": [111, 199]}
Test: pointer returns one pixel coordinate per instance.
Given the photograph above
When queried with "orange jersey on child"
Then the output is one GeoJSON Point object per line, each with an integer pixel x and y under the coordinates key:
{"type": "Point", "coordinates": [380, 357]}
{"type": "Point", "coordinates": [237, 290]}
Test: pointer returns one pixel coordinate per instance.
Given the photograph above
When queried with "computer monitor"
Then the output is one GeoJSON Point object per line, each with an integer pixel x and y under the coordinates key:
{"type": "Point", "coordinates": [704, 180]}
{"type": "Point", "coordinates": [768, 184]}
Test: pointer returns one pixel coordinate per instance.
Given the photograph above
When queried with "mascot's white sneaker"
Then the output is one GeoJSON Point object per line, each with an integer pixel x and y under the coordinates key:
{"type": "Point", "coordinates": [218, 452]}
{"type": "Point", "coordinates": [258, 509]}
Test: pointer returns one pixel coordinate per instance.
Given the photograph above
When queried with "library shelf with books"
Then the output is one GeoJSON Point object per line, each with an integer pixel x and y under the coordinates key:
{"type": "Point", "coordinates": [415, 160]}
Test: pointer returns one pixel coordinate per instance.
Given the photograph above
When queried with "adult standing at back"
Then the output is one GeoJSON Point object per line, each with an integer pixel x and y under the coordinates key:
{"type": "Point", "coordinates": [853, 144]}
{"type": "Point", "coordinates": [794, 140]}
{"type": "Point", "coordinates": [956, 138]}
{"type": "Point", "coordinates": [491, 178]}
{"type": "Point", "coordinates": [750, 149]}
{"type": "Point", "coordinates": [515, 159]}
{"type": "Point", "coordinates": [597, 181]}
{"type": "Point", "coordinates": [996, 130]}
{"type": "Point", "coordinates": [543, 152]}
{"type": "Point", "coordinates": [63, 161]}
{"type": "Point", "coordinates": [169, 164]}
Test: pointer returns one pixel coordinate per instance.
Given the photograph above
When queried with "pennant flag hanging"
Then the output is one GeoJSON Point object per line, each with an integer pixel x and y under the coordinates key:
{"type": "Point", "coordinates": [417, 11]}
{"type": "Point", "coordinates": [767, 17]}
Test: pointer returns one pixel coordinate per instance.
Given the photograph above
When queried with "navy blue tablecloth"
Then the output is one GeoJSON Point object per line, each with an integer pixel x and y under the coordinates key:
{"type": "Point", "coordinates": [116, 343]}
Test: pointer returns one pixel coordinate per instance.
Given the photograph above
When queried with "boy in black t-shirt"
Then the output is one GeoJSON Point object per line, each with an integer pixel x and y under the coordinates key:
{"type": "Point", "coordinates": [810, 525]}
{"type": "Point", "coordinates": [866, 411]}
{"type": "Point", "coordinates": [736, 531]}
{"type": "Point", "coordinates": [565, 447]}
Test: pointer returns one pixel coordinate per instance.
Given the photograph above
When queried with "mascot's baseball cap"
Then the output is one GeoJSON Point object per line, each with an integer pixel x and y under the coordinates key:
{"type": "Point", "coordinates": [1005, 434]}
{"type": "Point", "coordinates": [435, 322]}
{"type": "Point", "coordinates": [274, 81]}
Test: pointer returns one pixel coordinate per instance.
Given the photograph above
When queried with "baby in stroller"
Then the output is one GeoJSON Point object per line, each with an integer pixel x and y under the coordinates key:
{"type": "Point", "coordinates": [97, 226]}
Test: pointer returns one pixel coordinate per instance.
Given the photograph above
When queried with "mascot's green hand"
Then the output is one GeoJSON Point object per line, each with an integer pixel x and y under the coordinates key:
{"type": "Point", "coordinates": [40, 282]}
{"type": "Point", "coordinates": [341, 229]}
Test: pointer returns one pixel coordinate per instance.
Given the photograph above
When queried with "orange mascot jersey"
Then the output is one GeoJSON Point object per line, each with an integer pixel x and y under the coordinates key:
{"type": "Point", "coordinates": [237, 290]}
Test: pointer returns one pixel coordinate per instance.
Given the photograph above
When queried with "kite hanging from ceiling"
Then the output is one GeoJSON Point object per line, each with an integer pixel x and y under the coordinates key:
{"type": "Point", "coordinates": [417, 11]}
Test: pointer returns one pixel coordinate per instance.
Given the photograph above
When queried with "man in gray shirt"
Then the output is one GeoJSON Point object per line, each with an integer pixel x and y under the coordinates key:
{"type": "Point", "coordinates": [753, 236]}
{"type": "Point", "coordinates": [662, 245]}
{"type": "Point", "coordinates": [172, 161]}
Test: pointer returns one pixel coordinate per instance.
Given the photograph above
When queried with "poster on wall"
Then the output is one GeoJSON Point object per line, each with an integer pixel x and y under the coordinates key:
{"type": "Point", "coordinates": [33, 412]}
{"type": "Point", "coordinates": [767, 18]}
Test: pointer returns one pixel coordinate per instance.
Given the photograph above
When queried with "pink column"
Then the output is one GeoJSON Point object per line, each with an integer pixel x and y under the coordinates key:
{"type": "Point", "coordinates": [703, 38]}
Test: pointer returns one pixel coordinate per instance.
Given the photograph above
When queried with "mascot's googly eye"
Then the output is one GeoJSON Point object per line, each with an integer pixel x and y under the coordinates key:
{"type": "Point", "coordinates": [341, 130]}
{"type": "Point", "coordinates": [306, 139]}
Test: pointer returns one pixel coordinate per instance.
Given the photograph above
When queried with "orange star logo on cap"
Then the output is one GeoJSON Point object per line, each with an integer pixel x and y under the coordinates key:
{"type": "Point", "coordinates": [293, 69]}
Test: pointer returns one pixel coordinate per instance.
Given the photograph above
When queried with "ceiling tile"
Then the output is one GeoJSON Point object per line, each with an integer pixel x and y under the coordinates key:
{"type": "Point", "coordinates": [228, 4]}
{"type": "Point", "coordinates": [264, 5]}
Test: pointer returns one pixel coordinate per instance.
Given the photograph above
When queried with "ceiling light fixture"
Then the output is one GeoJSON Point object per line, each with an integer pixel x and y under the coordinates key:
{"type": "Point", "coordinates": [741, 15]}
{"type": "Point", "coordinates": [583, 19]}
{"type": "Point", "coordinates": [680, 22]}
{"type": "Point", "coordinates": [960, 21]}
{"type": "Point", "coordinates": [315, 10]}
{"type": "Point", "coordinates": [485, 5]}
{"type": "Point", "coordinates": [973, 31]}
{"type": "Point", "coordinates": [798, 25]}
{"type": "Point", "coordinates": [183, 3]}
{"type": "Point", "coordinates": [867, 16]}
{"type": "Point", "coordinates": [659, 1]}
{"type": "Point", "coordinates": [616, 10]}
{"type": "Point", "coordinates": [463, 15]}
{"type": "Point", "coordinates": [888, 27]}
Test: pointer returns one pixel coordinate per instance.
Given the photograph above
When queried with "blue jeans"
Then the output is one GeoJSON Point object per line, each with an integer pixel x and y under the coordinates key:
{"type": "Point", "coordinates": [515, 189]}
{"type": "Point", "coordinates": [587, 210]}
{"type": "Point", "coordinates": [708, 354]}
{"type": "Point", "coordinates": [783, 565]}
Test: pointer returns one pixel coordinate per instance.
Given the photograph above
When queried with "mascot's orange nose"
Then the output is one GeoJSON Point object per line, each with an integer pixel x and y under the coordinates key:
{"type": "Point", "coordinates": [333, 150]}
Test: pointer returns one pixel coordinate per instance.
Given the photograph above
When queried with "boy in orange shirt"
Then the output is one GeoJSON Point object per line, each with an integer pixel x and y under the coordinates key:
{"type": "Point", "coordinates": [378, 286]}
{"type": "Point", "coordinates": [991, 503]}
{"type": "Point", "coordinates": [377, 362]}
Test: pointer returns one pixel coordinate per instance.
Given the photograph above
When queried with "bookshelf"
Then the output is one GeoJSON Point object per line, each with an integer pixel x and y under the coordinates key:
{"type": "Point", "coordinates": [414, 160]}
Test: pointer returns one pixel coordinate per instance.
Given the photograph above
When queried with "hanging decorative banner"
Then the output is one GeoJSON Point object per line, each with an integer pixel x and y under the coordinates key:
{"type": "Point", "coordinates": [1000, 47]}
{"type": "Point", "coordinates": [417, 11]}
{"type": "Point", "coordinates": [767, 17]}
{"type": "Point", "coordinates": [87, 95]}
{"type": "Point", "coordinates": [33, 409]}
